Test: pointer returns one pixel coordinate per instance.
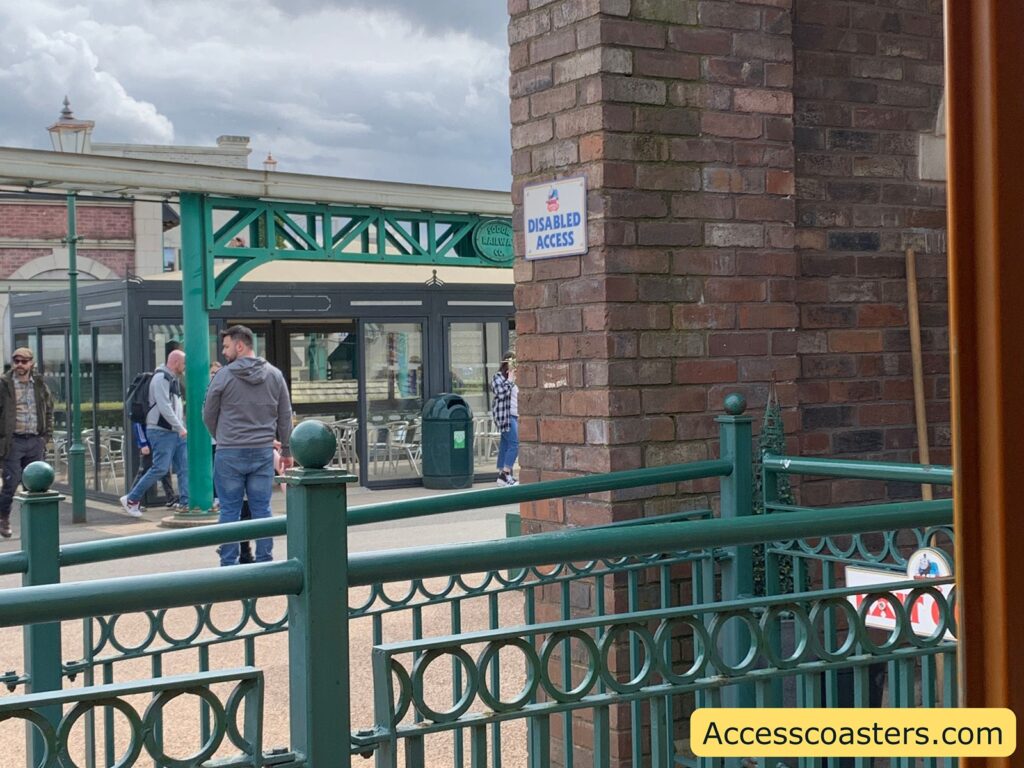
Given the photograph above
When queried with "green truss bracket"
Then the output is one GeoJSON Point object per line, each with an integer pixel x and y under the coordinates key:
{"type": "Point", "coordinates": [256, 232]}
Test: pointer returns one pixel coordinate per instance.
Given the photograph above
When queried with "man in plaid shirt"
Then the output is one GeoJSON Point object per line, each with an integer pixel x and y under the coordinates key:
{"type": "Point", "coordinates": [505, 410]}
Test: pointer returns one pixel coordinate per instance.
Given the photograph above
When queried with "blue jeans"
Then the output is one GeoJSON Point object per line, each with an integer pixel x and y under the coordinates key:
{"type": "Point", "coordinates": [244, 473]}
{"type": "Point", "coordinates": [508, 447]}
{"type": "Point", "coordinates": [168, 449]}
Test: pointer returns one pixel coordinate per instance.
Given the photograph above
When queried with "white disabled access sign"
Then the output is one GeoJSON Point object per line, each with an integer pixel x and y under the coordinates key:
{"type": "Point", "coordinates": [555, 218]}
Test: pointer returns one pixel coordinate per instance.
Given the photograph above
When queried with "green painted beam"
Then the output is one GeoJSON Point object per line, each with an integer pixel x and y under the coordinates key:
{"type": "Point", "coordinates": [76, 452]}
{"type": "Point", "coordinates": [585, 544]}
{"type": "Point", "coordinates": [195, 258]}
{"type": "Point", "coordinates": [318, 655]}
{"type": "Point", "coordinates": [82, 599]}
{"type": "Point", "coordinates": [928, 474]}
{"type": "Point", "coordinates": [274, 230]}
{"type": "Point", "coordinates": [40, 534]}
{"type": "Point", "coordinates": [172, 541]}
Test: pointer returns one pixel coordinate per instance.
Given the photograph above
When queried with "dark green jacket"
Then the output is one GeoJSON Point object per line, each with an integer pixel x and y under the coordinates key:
{"type": "Point", "coordinates": [8, 409]}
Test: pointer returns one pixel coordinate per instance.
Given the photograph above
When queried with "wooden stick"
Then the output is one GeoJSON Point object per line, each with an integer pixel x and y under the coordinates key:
{"type": "Point", "coordinates": [915, 353]}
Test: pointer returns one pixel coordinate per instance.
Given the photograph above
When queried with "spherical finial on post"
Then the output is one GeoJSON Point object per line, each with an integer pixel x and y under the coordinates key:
{"type": "Point", "coordinates": [37, 477]}
{"type": "Point", "coordinates": [735, 404]}
{"type": "Point", "coordinates": [313, 444]}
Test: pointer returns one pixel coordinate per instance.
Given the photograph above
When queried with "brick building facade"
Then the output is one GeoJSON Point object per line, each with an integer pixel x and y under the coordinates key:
{"type": "Point", "coordinates": [754, 180]}
{"type": "Point", "coordinates": [755, 177]}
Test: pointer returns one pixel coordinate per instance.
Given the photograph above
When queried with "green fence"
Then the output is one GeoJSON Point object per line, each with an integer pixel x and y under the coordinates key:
{"type": "Point", "coordinates": [588, 651]}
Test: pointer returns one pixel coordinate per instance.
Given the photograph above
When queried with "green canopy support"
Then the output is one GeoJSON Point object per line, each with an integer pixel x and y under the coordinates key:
{"type": "Point", "coordinates": [256, 232]}
{"type": "Point", "coordinates": [196, 265]}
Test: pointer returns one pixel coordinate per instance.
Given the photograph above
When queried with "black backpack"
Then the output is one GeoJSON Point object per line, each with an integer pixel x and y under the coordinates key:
{"type": "Point", "coordinates": [137, 398]}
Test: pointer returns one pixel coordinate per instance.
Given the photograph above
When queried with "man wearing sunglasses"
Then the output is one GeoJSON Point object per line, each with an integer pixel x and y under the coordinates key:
{"type": "Point", "coordinates": [26, 423]}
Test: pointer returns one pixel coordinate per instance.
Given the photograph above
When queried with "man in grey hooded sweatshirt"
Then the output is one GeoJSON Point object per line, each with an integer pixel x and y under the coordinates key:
{"type": "Point", "coordinates": [247, 408]}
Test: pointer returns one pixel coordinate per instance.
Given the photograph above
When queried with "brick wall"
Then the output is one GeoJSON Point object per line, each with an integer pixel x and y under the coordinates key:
{"type": "Point", "coordinates": [118, 260]}
{"type": "Point", "coordinates": [752, 177]}
{"type": "Point", "coordinates": [703, 146]}
{"type": "Point", "coordinates": [23, 224]}
{"type": "Point", "coordinates": [868, 82]}
{"type": "Point", "coordinates": [12, 259]}
{"type": "Point", "coordinates": [680, 116]}
{"type": "Point", "coordinates": [29, 221]}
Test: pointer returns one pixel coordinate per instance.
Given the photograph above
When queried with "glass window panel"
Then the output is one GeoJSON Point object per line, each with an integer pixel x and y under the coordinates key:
{"type": "Point", "coordinates": [54, 368]}
{"type": "Point", "coordinates": [109, 448]}
{"type": "Point", "coordinates": [88, 412]}
{"type": "Point", "coordinates": [260, 336]}
{"type": "Point", "coordinates": [323, 371]}
{"type": "Point", "coordinates": [393, 354]}
{"type": "Point", "coordinates": [28, 339]}
{"type": "Point", "coordinates": [162, 335]}
{"type": "Point", "coordinates": [474, 350]}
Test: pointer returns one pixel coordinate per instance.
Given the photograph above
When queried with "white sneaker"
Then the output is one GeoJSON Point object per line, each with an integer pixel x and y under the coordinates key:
{"type": "Point", "coordinates": [502, 480]}
{"type": "Point", "coordinates": [510, 481]}
{"type": "Point", "coordinates": [133, 508]}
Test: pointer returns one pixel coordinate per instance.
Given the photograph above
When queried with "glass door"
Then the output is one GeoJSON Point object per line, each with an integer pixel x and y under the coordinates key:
{"type": "Point", "coordinates": [53, 364]}
{"type": "Point", "coordinates": [88, 410]}
{"type": "Point", "coordinates": [323, 377]}
{"type": "Point", "coordinates": [474, 350]}
{"type": "Point", "coordinates": [323, 372]}
{"type": "Point", "coordinates": [393, 375]}
{"type": "Point", "coordinates": [110, 444]}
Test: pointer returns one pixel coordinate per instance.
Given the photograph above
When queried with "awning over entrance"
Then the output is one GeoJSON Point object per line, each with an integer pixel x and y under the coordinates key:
{"type": "Point", "coordinates": [39, 170]}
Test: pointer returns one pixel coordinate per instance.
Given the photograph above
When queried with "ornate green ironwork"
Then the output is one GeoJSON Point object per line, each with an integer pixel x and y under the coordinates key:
{"type": "Point", "coordinates": [402, 711]}
{"type": "Point", "coordinates": [259, 231]}
{"type": "Point", "coordinates": [143, 727]}
{"type": "Point", "coordinates": [557, 566]}
{"type": "Point", "coordinates": [771, 440]}
{"type": "Point", "coordinates": [256, 232]}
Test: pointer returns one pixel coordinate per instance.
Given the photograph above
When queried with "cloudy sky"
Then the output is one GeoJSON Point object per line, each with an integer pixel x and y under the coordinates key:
{"type": "Point", "coordinates": [401, 90]}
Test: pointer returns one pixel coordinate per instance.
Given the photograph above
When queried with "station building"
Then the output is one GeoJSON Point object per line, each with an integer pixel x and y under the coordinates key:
{"type": "Point", "coordinates": [361, 346]}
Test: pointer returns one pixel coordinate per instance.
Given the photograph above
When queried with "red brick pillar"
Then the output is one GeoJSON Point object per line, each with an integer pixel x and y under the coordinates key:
{"type": "Point", "coordinates": [679, 115]}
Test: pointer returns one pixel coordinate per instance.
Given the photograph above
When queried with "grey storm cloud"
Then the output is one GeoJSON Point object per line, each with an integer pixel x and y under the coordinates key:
{"type": "Point", "coordinates": [402, 90]}
{"type": "Point", "coordinates": [486, 19]}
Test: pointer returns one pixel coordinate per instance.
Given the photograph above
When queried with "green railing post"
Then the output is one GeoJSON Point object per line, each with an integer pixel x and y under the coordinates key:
{"type": "Point", "coordinates": [40, 541]}
{"type": "Point", "coordinates": [737, 499]}
{"type": "Point", "coordinates": [196, 260]}
{"type": "Point", "coordinates": [318, 656]}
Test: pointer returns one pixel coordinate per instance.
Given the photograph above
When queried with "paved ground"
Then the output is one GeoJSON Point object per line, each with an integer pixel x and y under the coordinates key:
{"type": "Point", "coordinates": [107, 520]}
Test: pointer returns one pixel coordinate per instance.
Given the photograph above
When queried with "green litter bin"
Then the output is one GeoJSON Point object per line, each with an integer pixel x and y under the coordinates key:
{"type": "Point", "coordinates": [447, 442]}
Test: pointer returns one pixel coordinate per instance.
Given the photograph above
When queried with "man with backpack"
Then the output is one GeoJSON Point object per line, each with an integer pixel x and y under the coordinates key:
{"type": "Point", "coordinates": [145, 449]}
{"type": "Point", "coordinates": [165, 430]}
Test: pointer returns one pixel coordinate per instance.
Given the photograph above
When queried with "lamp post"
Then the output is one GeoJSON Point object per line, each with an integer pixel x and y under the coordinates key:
{"type": "Point", "coordinates": [71, 135]}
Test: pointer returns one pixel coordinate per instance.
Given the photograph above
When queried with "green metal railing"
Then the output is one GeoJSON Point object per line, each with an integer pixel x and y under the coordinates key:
{"type": "Point", "coordinates": [403, 712]}
{"type": "Point", "coordinates": [245, 698]}
{"type": "Point", "coordinates": [568, 582]}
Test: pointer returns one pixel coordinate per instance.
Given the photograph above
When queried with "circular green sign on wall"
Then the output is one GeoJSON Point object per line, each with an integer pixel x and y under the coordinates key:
{"type": "Point", "coordinates": [492, 239]}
